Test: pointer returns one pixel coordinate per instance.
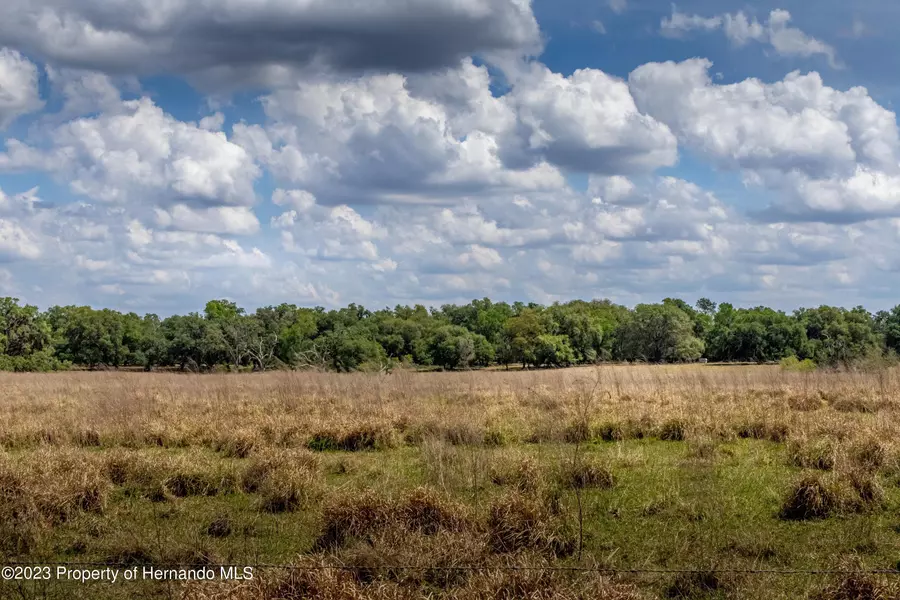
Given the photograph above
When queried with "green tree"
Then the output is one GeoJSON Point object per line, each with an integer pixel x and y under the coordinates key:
{"type": "Point", "coordinates": [706, 306]}
{"type": "Point", "coordinates": [887, 323]}
{"type": "Point", "coordinates": [454, 347]}
{"type": "Point", "coordinates": [840, 336]}
{"type": "Point", "coordinates": [192, 341]}
{"type": "Point", "coordinates": [582, 331]}
{"type": "Point", "coordinates": [754, 335]}
{"type": "Point", "coordinates": [349, 349]}
{"type": "Point", "coordinates": [152, 342]}
{"type": "Point", "coordinates": [90, 337]}
{"type": "Point", "coordinates": [522, 333]}
{"type": "Point", "coordinates": [554, 351]}
{"type": "Point", "coordinates": [658, 333]}
{"type": "Point", "coordinates": [23, 330]}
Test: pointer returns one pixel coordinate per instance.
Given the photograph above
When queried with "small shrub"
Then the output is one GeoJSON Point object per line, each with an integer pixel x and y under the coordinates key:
{"type": "Point", "coordinates": [137, 471]}
{"type": "Point", "coordinates": [424, 510]}
{"type": "Point", "coordinates": [19, 516]}
{"type": "Point", "coordinates": [263, 465]}
{"type": "Point", "coordinates": [288, 489]}
{"type": "Point", "coordinates": [285, 480]}
{"type": "Point", "coordinates": [358, 438]}
{"type": "Point", "coordinates": [805, 403]}
{"type": "Point", "coordinates": [795, 365]}
{"type": "Point", "coordinates": [186, 476]}
{"type": "Point", "coordinates": [364, 437]}
{"type": "Point", "coordinates": [323, 441]}
{"type": "Point", "coordinates": [184, 484]}
{"type": "Point", "coordinates": [639, 429]}
{"type": "Point", "coordinates": [811, 497]}
{"type": "Point", "coordinates": [60, 483]}
{"type": "Point", "coordinates": [351, 517]}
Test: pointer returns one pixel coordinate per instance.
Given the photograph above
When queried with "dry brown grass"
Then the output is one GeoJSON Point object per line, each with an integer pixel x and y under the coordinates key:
{"type": "Point", "coordinates": [285, 480]}
{"type": "Point", "coordinates": [322, 578]}
{"type": "Point", "coordinates": [237, 415]}
{"type": "Point", "coordinates": [494, 448]}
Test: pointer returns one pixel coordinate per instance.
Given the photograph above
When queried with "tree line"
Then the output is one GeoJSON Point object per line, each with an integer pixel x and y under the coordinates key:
{"type": "Point", "coordinates": [482, 333]}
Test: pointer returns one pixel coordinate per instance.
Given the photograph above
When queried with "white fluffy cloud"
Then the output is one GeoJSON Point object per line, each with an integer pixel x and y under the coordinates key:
{"type": "Point", "coordinates": [227, 41]}
{"type": "Point", "coordinates": [741, 29]}
{"type": "Point", "coordinates": [20, 238]}
{"type": "Point", "coordinates": [404, 185]}
{"type": "Point", "coordinates": [833, 155]}
{"type": "Point", "coordinates": [86, 92]}
{"type": "Point", "coordinates": [440, 137]}
{"type": "Point", "coordinates": [138, 153]}
{"type": "Point", "coordinates": [18, 86]}
{"type": "Point", "coordinates": [587, 122]}
{"type": "Point", "coordinates": [338, 233]}
{"type": "Point", "coordinates": [235, 220]}
{"type": "Point", "coordinates": [381, 138]}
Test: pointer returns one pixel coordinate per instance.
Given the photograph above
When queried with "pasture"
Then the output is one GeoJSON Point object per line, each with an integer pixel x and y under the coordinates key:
{"type": "Point", "coordinates": [694, 481]}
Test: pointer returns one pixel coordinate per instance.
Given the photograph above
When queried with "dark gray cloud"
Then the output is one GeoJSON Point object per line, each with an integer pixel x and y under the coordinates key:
{"type": "Point", "coordinates": [248, 40]}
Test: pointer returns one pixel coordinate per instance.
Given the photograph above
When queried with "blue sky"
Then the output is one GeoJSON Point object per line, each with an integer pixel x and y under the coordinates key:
{"type": "Point", "coordinates": [434, 151]}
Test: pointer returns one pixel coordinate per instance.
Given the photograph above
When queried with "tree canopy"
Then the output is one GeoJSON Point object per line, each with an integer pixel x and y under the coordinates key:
{"type": "Point", "coordinates": [452, 337]}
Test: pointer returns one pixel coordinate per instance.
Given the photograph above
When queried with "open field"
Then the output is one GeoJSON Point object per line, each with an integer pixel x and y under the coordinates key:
{"type": "Point", "coordinates": [652, 469]}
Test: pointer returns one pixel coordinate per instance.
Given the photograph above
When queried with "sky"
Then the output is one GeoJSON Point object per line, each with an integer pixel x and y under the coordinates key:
{"type": "Point", "coordinates": [158, 154]}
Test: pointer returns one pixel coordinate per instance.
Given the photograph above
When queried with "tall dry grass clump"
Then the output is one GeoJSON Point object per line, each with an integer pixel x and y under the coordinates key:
{"type": "Point", "coordinates": [856, 584]}
{"type": "Point", "coordinates": [816, 496]}
{"type": "Point", "coordinates": [160, 476]}
{"type": "Point", "coordinates": [361, 515]}
{"type": "Point", "coordinates": [518, 522]}
{"type": "Point", "coordinates": [46, 488]}
{"type": "Point", "coordinates": [284, 480]}
{"type": "Point", "coordinates": [586, 473]}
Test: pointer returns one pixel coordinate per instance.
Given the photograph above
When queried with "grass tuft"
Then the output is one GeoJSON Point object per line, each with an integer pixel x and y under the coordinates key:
{"type": "Point", "coordinates": [819, 454]}
{"type": "Point", "coordinates": [811, 497]}
{"type": "Point", "coordinates": [522, 473]}
{"type": "Point", "coordinates": [588, 473]}
{"type": "Point", "coordinates": [517, 523]}
{"type": "Point", "coordinates": [673, 431]}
